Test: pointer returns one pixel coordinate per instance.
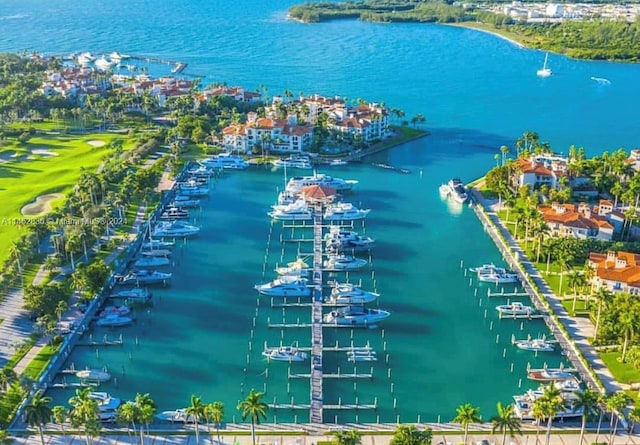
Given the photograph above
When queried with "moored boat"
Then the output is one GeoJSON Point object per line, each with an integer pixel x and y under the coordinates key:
{"type": "Point", "coordinates": [296, 268]}
{"type": "Point", "coordinates": [344, 211]}
{"type": "Point", "coordinates": [144, 276]}
{"type": "Point", "coordinates": [225, 161]}
{"type": "Point", "coordinates": [138, 294]}
{"type": "Point", "coordinates": [174, 212]}
{"type": "Point", "coordinates": [285, 286]}
{"type": "Point", "coordinates": [356, 316]}
{"type": "Point", "coordinates": [534, 344]}
{"type": "Point", "coordinates": [515, 309]}
{"type": "Point", "coordinates": [178, 415]}
{"type": "Point", "coordinates": [294, 161]}
{"type": "Point", "coordinates": [344, 262]}
{"type": "Point", "coordinates": [458, 190]}
{"type": "Point", "coordinates": [285, 353]}
{"type": "Point", "coordinates": [148, 261]}
{"type": "Point", "coordinates": [549, 374]}
{"type": "Point", "coordinates": [347, 294]}
{"type": "Point", "coordinates": [120, 310]}
{"type": "Point", "coordinates": [175, 229]}
{"type": "Point", "coordinates": [158, 244]}
{"type": "Point", "coordinates": [296, 211]}
{"type": "Point", "coordinates": [338, 241]}
{"type": "Point", "coordinates": [524, 405]}
{"type": "Point", "coordinates": [94, 375]}
{"type": "Point", "coordinates": [112, 320]}
{"type": "Point", "coordinates": [296, 183]}
{"type": "Point", "coordinates": [498, 278]}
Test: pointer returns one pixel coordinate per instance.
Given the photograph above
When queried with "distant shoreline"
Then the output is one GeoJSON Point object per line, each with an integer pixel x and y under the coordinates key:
{"type": "Point", "coordinates": [470, 25]}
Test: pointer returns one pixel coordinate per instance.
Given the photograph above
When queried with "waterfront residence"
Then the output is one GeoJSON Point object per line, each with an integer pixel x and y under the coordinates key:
{"type": "Point", "coordinates": [73, 82]}
{"type": "Point", "coordinates": [582, 221]}
{"type": "Point", "coordinates": [161, 88]}
{"type": "Point", "coordinates": [277, 135]}
{"type": "Point", "coordinates": [239, 94]}
{"type": "Point", "coordinates": [616, 271]}
{"type": "Point", "coordinates": [539, 170]}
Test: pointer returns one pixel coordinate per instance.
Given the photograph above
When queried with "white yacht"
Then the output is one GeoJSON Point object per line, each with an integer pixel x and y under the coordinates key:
{"type": "Point", "coordinates": [549, 374]}
{"type": "Point", "coordinates": [344, 211]}
{"type": "Point", "coordinates": [515, 309]}
{"type": "Point", "coordinates": [137, 294]}
{"type": "Point", "coordinates": [158, 244]}
{"type": "Point", "coordinates": [296, 183]}
{"type": "Point", "coordinates": [173, 212]}
{"type": "Point", "coordinates": [533, 344]}
{"type": "Point", "coordinates": [183, 202]}
{"type": "Point", "coordinates": [498, 278]}
{"type": "Point", "coordinates": [344, 262]}
{"type": "Point", "coordinates": [117, 57]}
{"type": "Point", "coordinates": [113, 320]}
{"type": "Point", "coordinates": [155, 252]}
{"type": "Point", "coordinates": [347, 294]}
{"type": "Point", "coordinates": [486, 269]}
{"type": "Point", "coordinates": [457, 190]}
{"type": "Point", "coordinates": [338, 240]}
{"type": "Point", "coordinates": [294, 161]}
{"type": "Point", "coordinates": [107, 405]}
{"type": "Point", "coordinates": [523, 407]}
{"type": "Point", "coordinates": [178, 415]}
{"type": "Point", "coordinates": [285, 353]}
{"type": "Point", "coordinates": [94, 375]}
{"type": "Point", "coordinates": [296, 268]}
{"type": "Point", "coordinates": [151, 261]}
{"type": "Point", "coordinates": [86, 58]}
{"type": "Point", "coordinates": [225, 161]}
{"type": "Point", "coordinates": [285, 286]}
{"type": "Point", "coordinates": [297, 211]}
{"type": "Point", "coordinates": [144, 276]}
{"type": "Point", "coordinates": [102, 64]}
{"type": "Point", "coordinates": [175, 229]}
{"type": "Point", "coordinates": [119, 310]}
{"type": "Point", "coordinates": [357, 316]}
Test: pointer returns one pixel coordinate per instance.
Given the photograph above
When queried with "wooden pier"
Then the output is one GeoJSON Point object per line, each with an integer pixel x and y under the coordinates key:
{"type": "Point", "coordinates": [329, 407]}
{"type": "Point", "coordinates": [339, 375]}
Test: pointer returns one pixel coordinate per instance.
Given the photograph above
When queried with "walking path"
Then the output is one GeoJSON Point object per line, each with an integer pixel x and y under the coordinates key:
{"type": "Point", "coordinates": [580, 329]}
{"type": "Point", "coordinates": [72, 315]}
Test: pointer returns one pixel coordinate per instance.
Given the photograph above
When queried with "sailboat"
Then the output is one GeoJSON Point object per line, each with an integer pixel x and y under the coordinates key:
{"type": "Point", "coordinates": [544, 71]}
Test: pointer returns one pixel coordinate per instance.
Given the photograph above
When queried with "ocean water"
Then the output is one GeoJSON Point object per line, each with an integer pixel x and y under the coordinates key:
{"type": "Point", "coordinates": [443, 345]}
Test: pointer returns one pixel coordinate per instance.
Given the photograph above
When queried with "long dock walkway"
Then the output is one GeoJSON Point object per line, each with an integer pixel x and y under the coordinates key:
{"type": "Point", "coordinates": [315, 415]}
{"type": "Point", "coordinates": [576, 345]}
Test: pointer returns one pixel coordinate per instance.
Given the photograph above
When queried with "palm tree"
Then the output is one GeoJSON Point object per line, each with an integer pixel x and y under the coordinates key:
{"type": "Point", "coordinates": [550, 404]}
{"type": "Point", "coordinates": [146, 409]}
{"type": "Point", "coordinates": [214, 412]}
{"type": "Point", "coordinates": [410, 435]}
{"type": "Point", "coordinates": [466, 415]}
{"type": "Point", "coordinates": [628, 324]}
{"type": "Point", "coordinates": [586, 400]}
{"type": "Point", "coordinates": [127, 414]}
{"type": "Point", "coordinates": [59, 414]}
{"type": "Point", "coordinates": [7, 378]}
{"type": "Point", "coordinates": [603, 296]}
{"type": "Point", "coordinates": [634, 417]}
{"type": "Point", "coordinates": [196, 411]}
{"type": "Point", "coordinates": [254, 408]}
{"type": "Point", "coordinates": [505, 421]}
{"type": "Point", "coordinates": [85, 412]}
{"type": "Point", "coordinates": [61, 308]}
{"type": "Point", "coordinates": [351, 437]}
{"type": "Point", "coordinates": [38, 412]}
{"type": "Point", "coordinates": [615, 405]}
{"type": "Point", "coordinates": [575, 280]}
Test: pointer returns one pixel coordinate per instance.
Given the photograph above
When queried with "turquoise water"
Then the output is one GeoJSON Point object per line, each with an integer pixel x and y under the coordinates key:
{"type": "Point", "coordinates": [477, 92]}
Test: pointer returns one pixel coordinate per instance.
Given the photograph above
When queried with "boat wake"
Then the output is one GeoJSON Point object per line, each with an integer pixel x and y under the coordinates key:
{"type": "Point", "coordinates": [601, 80]}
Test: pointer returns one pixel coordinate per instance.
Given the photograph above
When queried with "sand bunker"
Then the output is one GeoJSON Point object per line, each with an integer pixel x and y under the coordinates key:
{"type": "Point", "coordinates": [41, 206]}
{"type": "Point", "coordinates": [43, 152]}
{"type": "Point", "coordinates": [96, 143]}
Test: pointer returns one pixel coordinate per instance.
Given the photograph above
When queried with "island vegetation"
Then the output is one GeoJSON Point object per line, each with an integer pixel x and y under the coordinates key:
{"type": "Point", "coordinates": [593, 38]}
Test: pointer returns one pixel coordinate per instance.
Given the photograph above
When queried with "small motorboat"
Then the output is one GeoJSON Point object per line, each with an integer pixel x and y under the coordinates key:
{"type": "Point", "coordinates": [174, 213]}
{"type": "Point", "coordinates": [487, 269]}
{"type": "Point", "coordinates": [498, 278]}
{"type": "Point", "coordinates": [151, 261]}
{"type": "Point", "coordinates": [338, 241]}
{"type": "Point", "coordinates": [138, 294]}
{"type": "Point", "coordinates": [120, 310]}
{"type": "Point", "coordinates": [155, 252]}
{"type": "Point", "coordinates": [107, 405]}
{"type": "Point", "coordinates": [112, 320]}
{"type": "Point", "coordinates": [158, 244]}
{"type": "Point", "coordinates": [549, 375]}
{"type": "Point", "coordinates": [534, 344]}
{"type": "Point", "coordinates": [285, 286]}
{"type": "Point", "coordinates": [285, 353]}
{"type": "Point", "coordinates": [344, 211]}
{"type": "Point", "coordinates": [175, 229]}
{"type": "Point", "coordinates": [344, 262]}
{"type": "Point", "coordinates": [95, 375]}
{"type": "Point", "coordinates": [515, 309]}
{"type": "Point", "coordinates": [144, 276]}
{"type": "Point", "coordinates": [178, 415]}
{"type": "Point", "coordinates": [296, 268]}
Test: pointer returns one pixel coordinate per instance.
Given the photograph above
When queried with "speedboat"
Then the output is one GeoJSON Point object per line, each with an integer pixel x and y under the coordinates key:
{"type": "Point", "coordinates": [297, 211]}
{"type": "Point", "coordinates": [144, 276]}
{"type": "Point", "coordinates": [498, 278]}
{"type": "Point", "coordinates": [193, 189]}
{"type": "Point", "coordinates": [296, 268]}
{"type": "Point", "coordinates": [515, 309]}
{"type": "Point", "coordinates": [458, 190]}
{"type": "Point", "coordinates": [534, 344]}
{"type": "Point", "coordinates": [549, 374]}
{"type": "Point", "coordinates": [347, 294]}
{"type": "Point", "coordinates": [119, 310]}
{"type": "Point", "coordinates": [285, 286]}
{"type": "Point", "coordinates": [174, 213]}
{"type": "Point", "coordinates": [158, 244]}
{"type": "Point", "coordinates": [445, 191]}
{"type": "Point", "coordinates": [487, 269]}
{"type": "Point", "coordinates": [114, 320]}
{"type": "Point", "coordinates": [151, 261]}
{"type": "Point", "coordinates": [285, 197]}
{"type": "Point", "coordinates": [225, 161]}
{"type": "Point", "coordinates": [344, 262]}
{"type": "Point", "coordinates": [95, 375]}
{"type": "Point", "coordinates": [524, 405]}
{"type": "Point", "coordinates": [294, 161]}
{"type": "Point", "coordinates": [178, 415]}
{"type": "Point", "coordinates": [297, 183]}
{"type": "Point", "coordinates": [344, 211]}
{"type": "Point", "coordinates": [175, 229]}
{"type": "Point", "coordinates": [338, 162]}
{"type": "Point", "coordinates": [138, 294]}
{"type": "Point", "coordinates": [357, 316]}
{"type": "Point", "coordinates": [285, 353]}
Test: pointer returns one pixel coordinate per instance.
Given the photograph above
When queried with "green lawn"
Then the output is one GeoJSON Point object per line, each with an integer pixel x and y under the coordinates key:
{"type": "Point", "coordinates": [582, 308]}
{"type": "Point", "coordinates": [40, 362]}
{"type": "Point", "coordinates": [622, 372]}
{"type": "Point", "coordinates": [24, 180]}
